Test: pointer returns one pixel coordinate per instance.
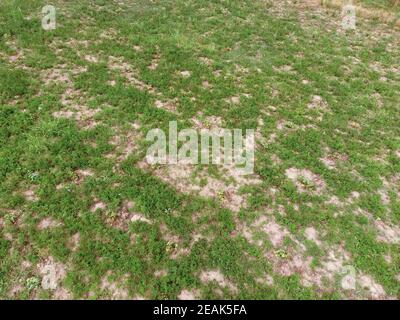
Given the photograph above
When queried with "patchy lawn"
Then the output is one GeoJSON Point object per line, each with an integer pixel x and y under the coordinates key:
{"type": "Point", "coordinates": [82, 215]}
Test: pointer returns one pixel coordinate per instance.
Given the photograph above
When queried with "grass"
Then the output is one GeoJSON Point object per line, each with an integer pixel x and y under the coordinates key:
{"type": "Point", "coordinates": [276, 58]}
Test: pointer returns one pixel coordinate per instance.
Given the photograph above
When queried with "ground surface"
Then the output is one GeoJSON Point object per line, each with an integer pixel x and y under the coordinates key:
{"type": "Point", "coordinates": [83, 216]}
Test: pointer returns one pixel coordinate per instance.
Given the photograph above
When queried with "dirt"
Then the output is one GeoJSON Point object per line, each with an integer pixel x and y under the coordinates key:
{"type": "Point", "coordinates": [58, 76]}
{"type": "Point", "coordinates": [216, 276]}
{"type": "Point", "coordinates": [292, 258]}
{"type": "Point", "coordinates": [371, 289]}
{"type": "Point", "coordinates": [266, 279]}
{"type": "Point", "coordinates": [127, 71]}
{"type": "Point", "coordinates": [233, 100]}
{"type": "Point", "coordinates": [62, 294]}
{"type": "Point", "coordinates": [166, 105]}
{"type": "Point", "coordinates": [275, 232]}
{"type": "Point", "coordinates": [91, 58]}
{"type": "Point", "coordinates": [48, 223]}
{"type": "Point", "coordinates": [206, 84]}
{"type": "Point", "coordinates": [332, 159]}
{"type": "Point", "coordinates": [15, 290]}
{"type": "Point", "coordinates": [125, 216]}
{"type": "Point", "coordinates": [185, 74]}
{"type": "Point", "coordinates": [161, 273]}
{"type": "Point", "coordinates": [206, 61]}
{"type": "Point", "coordinates": [183, 179]}
{"type": "Point", "coordinates": [206, 122]}
{"type": "Point", "coordinates": [312, 234]}
{"type": "Point", "coordinates": [116, 289]}
{"type": "Point", "coordinates": [387, 233]}
{"type": "Point", "coordinates": [306, 181]}
{"type": "Point", "coordinates": [81, 114]}
{"type": "Point", "coordinates": [82, 174]}
{"type": "Point", "coordinates": [98, 205]}
{"type": "Point", "coordinates": [26, 265]}
{"type": "Point", "coordinates": [154, 62]}
{"type": "Point", "coordinates": [318, 103]}
{"type": "Point", "coordinates": [188, 295]}
{"type": "Point", "coordinates": [74, 241]}
{"type": "Point", "coordinates": [30, 195]}
{"type": "Point", "coordinates": [125, 144]}
{"type": "Point", "coordinates": [175, 246]}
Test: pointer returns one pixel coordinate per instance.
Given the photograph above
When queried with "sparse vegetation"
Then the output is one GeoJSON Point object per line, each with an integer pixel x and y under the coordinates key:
{"type": "Point", "coordinates": [81, 209]}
